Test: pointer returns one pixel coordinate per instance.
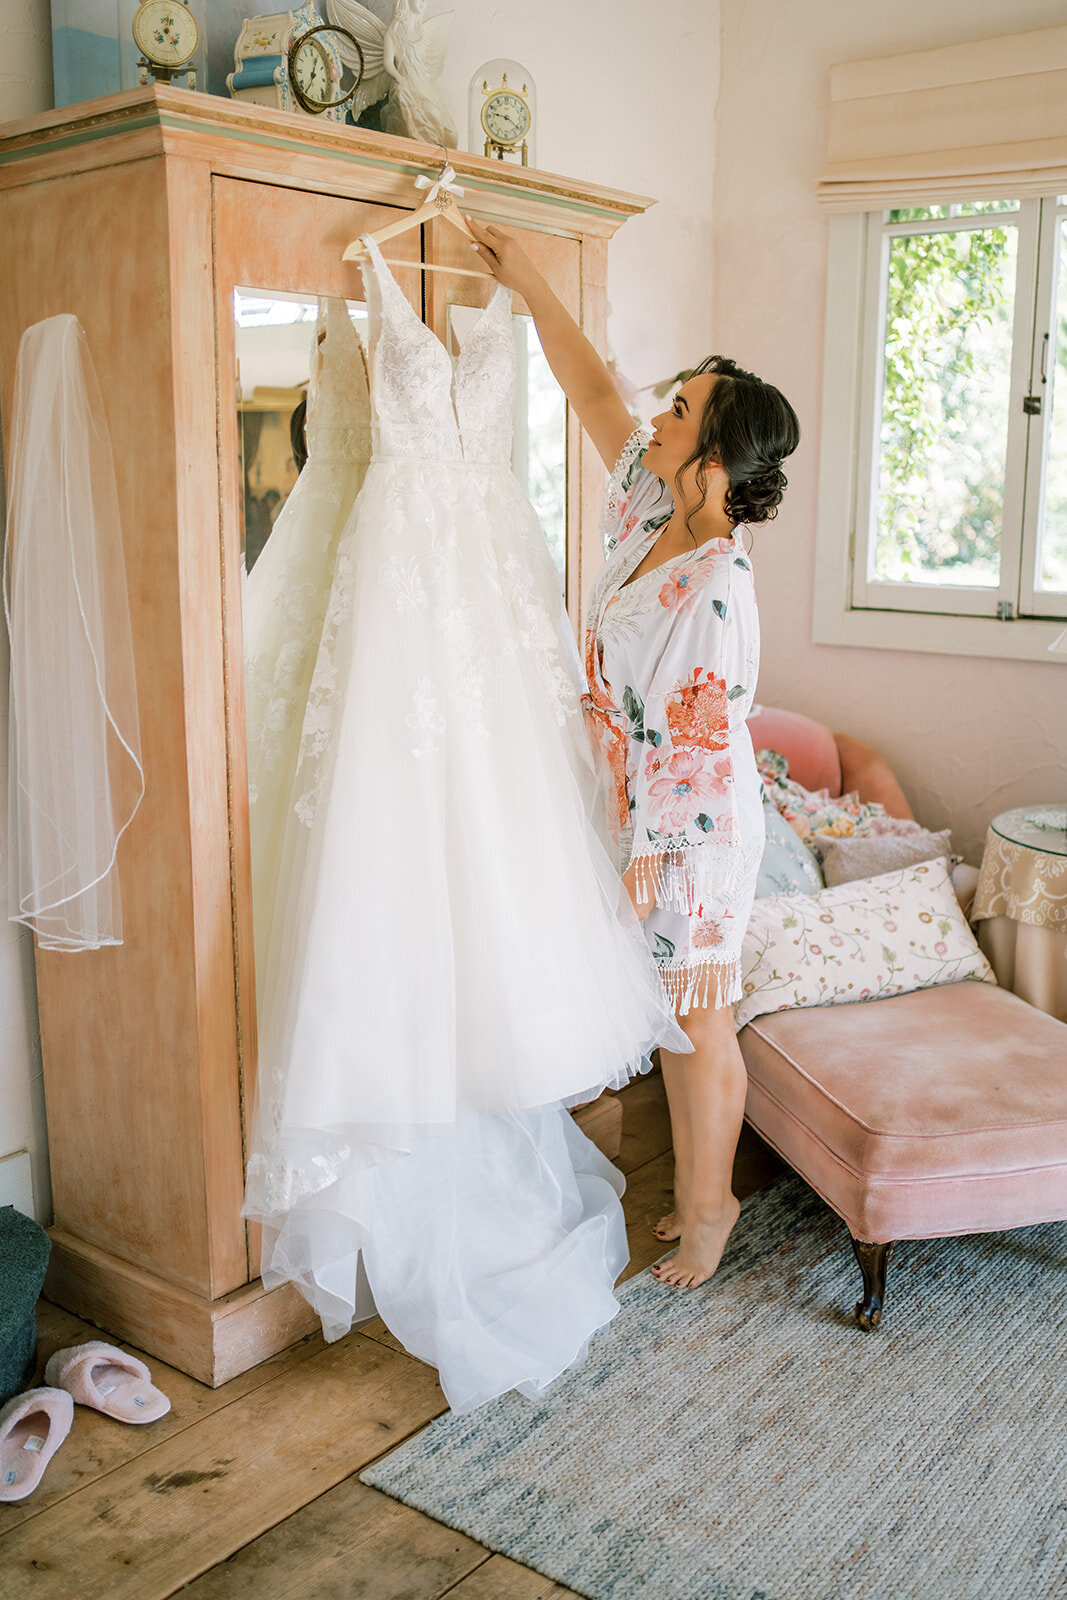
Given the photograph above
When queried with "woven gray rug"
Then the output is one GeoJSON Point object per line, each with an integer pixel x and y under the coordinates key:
{"type": "Point", "coordinates": [746, 1442]}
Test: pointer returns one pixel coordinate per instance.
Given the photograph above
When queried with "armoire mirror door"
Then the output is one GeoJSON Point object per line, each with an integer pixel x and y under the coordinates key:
{"type": "Point", "coordinates": [283, 243]}
{"type": "Point", "coordinates": [277, 337]}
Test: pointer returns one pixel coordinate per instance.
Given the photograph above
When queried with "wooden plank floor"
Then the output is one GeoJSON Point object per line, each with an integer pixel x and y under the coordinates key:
{"type": "Point", "coordinates": [251, 1491]}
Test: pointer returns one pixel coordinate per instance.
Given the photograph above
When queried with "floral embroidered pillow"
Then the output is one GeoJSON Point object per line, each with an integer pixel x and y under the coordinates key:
{"type": "Point", "coordinates": [814, 815]}
{"type": "Point", "coordinates": [863, 940]}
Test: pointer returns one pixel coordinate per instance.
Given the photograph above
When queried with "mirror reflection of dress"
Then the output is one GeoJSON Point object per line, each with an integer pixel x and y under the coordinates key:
{"type": "Point", "coordinates": [450, 959]}
{"type": "Point", "coordinates": [286, 592]}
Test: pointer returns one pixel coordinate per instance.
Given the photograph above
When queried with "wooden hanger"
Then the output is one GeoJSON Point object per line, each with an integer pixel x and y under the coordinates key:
{"type": "Point", "coordinates": [440, 202]}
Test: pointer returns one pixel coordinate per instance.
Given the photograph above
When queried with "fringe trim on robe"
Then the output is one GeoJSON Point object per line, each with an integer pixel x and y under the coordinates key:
{"type": "Point", "coordinates": [708, 984]}
{"type": "Point", "coordinates": [684, 880]}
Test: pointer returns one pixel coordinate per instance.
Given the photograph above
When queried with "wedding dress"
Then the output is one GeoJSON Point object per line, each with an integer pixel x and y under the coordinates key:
{"type": "Point", "coordinates": [287, 590]}
{"type": "Point", "coordinates": [451, 958]}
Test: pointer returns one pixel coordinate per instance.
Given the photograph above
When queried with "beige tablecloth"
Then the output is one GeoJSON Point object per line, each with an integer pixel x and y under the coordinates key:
{"type": "Point", "coordinates": [1020, 906]}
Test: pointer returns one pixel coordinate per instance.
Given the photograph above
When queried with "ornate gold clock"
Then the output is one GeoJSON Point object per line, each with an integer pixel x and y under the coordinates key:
{"type": "Point", "coordinates": [290, 60]}
{"type": "Point", "coordinates": [315, 70]}
{"type": "Point", "coordinates": [506, 119]}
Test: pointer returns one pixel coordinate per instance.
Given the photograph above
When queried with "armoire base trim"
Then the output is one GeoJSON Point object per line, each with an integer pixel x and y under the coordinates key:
{"type": "Point", "coordinates": [212, 1340]}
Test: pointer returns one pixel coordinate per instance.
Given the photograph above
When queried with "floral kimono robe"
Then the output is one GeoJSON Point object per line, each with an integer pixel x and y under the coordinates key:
{"type": "Point", "coordinates": [671, 661]}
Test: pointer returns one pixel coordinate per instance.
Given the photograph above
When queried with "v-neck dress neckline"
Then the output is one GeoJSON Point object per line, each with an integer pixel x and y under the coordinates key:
{"type": "Point", "coordinates": [419, 378]}
{"type": "Point", "coordinates": [455, 361]}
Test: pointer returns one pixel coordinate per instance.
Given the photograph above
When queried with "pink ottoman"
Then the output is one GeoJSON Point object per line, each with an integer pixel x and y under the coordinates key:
{"type": "Point", "coordinates": [916, 1116]}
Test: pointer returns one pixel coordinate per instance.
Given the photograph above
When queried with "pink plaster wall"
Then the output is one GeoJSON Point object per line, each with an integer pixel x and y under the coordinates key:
{"type": "Point", "coordinates": [626, 95]}
{"type": "Point", "coordinates": [967, 737]}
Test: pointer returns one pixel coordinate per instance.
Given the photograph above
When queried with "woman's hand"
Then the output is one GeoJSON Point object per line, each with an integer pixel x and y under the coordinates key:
{"type": "Point", "coordinates": [642, 908]}
{"type": "Point", "coordinates": [578, 368]}
{"type": "Point", "coordinates": [506, 259]}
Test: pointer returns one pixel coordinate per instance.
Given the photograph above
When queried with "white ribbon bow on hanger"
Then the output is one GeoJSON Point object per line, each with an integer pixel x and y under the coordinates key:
{"type": "Point", "coordinates": [445, 180]}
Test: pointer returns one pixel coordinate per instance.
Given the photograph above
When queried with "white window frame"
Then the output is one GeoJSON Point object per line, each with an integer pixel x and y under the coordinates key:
{"type": "Point", "coordinates": [843, 612]}
{"type": "Point", "coordinates": [1030, 598]}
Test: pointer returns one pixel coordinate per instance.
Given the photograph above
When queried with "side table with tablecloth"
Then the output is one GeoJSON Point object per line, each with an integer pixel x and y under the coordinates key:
{"type": "Point", "coordinates": [1020, 904]}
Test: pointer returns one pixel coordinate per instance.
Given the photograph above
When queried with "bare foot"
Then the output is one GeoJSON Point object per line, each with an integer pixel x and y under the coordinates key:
{"type": "Point", "coordinates": [668, 1227]}
{"type": "Point", "coordinates": [700, 1252]}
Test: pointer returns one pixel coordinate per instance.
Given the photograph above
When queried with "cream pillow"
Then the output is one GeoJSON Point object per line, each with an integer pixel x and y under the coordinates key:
{"type": "Point", "coordinates": [846, 859]}
{"type": "Point", "coordinates": [878, 936]}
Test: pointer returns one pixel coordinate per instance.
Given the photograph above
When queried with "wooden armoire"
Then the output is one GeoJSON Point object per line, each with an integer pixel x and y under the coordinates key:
{"type": "Point", "coordinates": [141, 213]}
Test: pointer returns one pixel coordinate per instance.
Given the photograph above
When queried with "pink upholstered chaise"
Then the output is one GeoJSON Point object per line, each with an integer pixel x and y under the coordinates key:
{"type": "Point", "coordinates": [915, 1116]}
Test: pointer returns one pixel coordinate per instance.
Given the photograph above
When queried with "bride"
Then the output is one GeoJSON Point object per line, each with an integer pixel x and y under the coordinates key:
{"type": "Point", "coordinates": [671, 660]}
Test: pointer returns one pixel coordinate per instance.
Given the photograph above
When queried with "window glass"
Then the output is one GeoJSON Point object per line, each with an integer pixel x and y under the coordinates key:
{"type": "Point", "coordinates": [947, 350]}
{"type": "Point", "coordinates": [1052, 549]}
{"type": "Point", "coordinates": [965, 208]}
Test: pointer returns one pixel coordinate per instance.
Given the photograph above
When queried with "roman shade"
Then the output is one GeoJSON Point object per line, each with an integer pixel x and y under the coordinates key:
{"type": "Point", "coordinates": [969, 121]}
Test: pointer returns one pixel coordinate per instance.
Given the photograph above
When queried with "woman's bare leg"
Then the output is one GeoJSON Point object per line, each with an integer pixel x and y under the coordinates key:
{"type": "Point", "coordinates": [709, 1088]}
{"type": "Point", "coordinates": [676, 1084]}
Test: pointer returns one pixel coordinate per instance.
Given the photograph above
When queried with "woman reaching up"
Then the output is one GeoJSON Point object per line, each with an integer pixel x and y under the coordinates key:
{"type": "Point", "coordinates": [671, 660]}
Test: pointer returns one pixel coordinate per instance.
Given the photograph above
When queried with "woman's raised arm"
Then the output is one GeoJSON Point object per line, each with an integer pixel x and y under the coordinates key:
{"type": "Point", "coordinates": [579, 370]}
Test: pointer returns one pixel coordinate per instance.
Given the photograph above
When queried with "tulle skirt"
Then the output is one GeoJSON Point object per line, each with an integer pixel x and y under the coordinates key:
{"type": "Point", "coordinates": [451, 958]}
{"type": "Point", "coordinates": [285, 600]}
{"type": "Point", "coordinates": [492, 1247]}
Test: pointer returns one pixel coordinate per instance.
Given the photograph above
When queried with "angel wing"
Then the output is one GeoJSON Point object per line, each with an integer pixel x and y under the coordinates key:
{"type": "Point", "coordinates": [435, 36]}
{"type": "Point", "coordinates": [423, 40]}
{"type": "Point", "coordinates": [370, 31]}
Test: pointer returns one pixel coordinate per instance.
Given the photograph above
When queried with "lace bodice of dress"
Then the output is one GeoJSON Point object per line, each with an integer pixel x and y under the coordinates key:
{"type": "Point", "coordinates": [424, 407]}
{"type": "Point", "coordinates": [338, 410]}
{"type": "Point", "coordinates": [287, 591]}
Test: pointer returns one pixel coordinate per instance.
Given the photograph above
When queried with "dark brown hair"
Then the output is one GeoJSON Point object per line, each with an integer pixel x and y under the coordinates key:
{"type": "Point", "coordinates": [747, 428]}
{"type": "Point", "coordinates": [298, 439]}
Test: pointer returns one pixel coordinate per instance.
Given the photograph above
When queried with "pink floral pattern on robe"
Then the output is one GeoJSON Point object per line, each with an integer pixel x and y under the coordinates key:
{"type": "Point", "coordinates": [671, 660]}
{"type": "Point", "coordinates": [685, 779]}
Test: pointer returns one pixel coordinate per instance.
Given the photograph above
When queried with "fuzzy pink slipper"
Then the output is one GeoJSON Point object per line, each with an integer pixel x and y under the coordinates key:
{"type": "Point", "coordinates": [109, 1380]}
{"type": "Point", "coordinates": [32, 1428]}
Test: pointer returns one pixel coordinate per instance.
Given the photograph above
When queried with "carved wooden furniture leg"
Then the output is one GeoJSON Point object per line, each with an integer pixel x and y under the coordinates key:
{"type": "Point", "coordinates": [873, 1259]}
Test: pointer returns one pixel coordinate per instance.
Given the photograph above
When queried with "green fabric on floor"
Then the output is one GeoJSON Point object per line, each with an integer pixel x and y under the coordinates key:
{"type": "Point", "coordinates": [24, 1251]}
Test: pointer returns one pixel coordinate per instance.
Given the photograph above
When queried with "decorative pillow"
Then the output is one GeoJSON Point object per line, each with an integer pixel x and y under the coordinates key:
{"type": "Point", "coordinates": [815, 815]}
{"type": "Point", "coordinates": [787, 865]}
{"type": "Point", "coordinates": [857, 941]}
{"type": "Point", "coordinates": [882, 825]}
{"type": "Point", "coordinates": [843, 860]}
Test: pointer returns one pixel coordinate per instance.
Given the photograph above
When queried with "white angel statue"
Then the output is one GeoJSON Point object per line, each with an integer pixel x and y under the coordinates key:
{"type": "Point", "coordinates": [403, 58]}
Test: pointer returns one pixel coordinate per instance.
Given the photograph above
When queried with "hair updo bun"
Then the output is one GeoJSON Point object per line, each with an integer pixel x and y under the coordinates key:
{"type": "Point", "coordinates": [747, 428]}
{"type": "Point", "coordinates": [756, 499]}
